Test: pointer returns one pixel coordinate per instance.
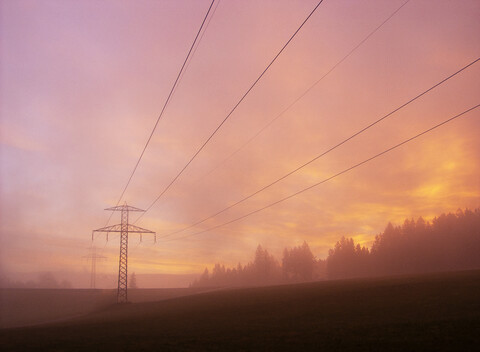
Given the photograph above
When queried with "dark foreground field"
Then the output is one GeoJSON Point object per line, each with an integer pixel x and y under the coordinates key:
{"type": "Point", "coordinates": [429, 312]}
{"type": "Point", "coordinates": [24, 307]}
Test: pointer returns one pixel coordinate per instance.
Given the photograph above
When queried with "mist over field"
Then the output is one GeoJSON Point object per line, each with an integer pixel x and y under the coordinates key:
{"type": "Point", "coordinates": [239, 175]}
{"type": "Point", "coordinates": [450, 243]}
{"type": "Point", "coordinates": [82, 280]}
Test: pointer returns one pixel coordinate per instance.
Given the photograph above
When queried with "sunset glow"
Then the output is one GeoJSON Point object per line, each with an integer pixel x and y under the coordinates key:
{"type": "Point", "coordinates": [83, 82]}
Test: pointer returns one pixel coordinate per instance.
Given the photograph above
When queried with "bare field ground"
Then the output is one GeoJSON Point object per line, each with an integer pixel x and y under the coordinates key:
{"type": "Point", "coordinates": [24, 307]}
{"type": "Point", "coordinates": [435, 312]}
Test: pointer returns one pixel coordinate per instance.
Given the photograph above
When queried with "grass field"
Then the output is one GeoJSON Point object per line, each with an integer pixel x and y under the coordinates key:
{"type": "Point", "coordinates": [437, 312]}
{"type": "Point", "coordinates": [24, 307]}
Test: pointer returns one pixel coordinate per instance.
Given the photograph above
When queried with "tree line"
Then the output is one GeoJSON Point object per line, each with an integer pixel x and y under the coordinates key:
{"type": "Point", "coordinates": [298, 264]}
{"type": "Point", "coordinates": [449, 242]}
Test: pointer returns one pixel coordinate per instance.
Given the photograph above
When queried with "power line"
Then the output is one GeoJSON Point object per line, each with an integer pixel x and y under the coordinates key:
{"type": "Point", "coordinates": [199, 41]}
{"type": "Point", "coordinates": [231, 111]}
{"type": "Point", "coordinates": [306, 91]}
{"type": "Point", "coordinates": [327, 151]}
{"type": "Point", "coordinates": [331, 177]}
{"type": "Point", "coordinates": [163, 109]}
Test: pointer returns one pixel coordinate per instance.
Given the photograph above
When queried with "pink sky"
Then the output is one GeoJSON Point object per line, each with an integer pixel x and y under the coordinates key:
{"type": "Point", "coordinates": [82, 83]}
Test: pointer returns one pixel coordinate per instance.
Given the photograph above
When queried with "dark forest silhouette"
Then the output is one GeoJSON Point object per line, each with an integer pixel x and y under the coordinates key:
{"type": "Point", "coordinates": [449, 242]}
{"type": "Point", "coordinates": [298, 265]}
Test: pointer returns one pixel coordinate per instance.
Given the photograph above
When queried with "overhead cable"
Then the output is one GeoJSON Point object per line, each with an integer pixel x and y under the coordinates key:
{"type": "Point", "coordinates": [163, 109]}
{"type": "Point", "coordinates": [306, 91]}
{"type": "Point", "coordinates": [329, 178]}
{"type": "Point", "coordinates": [327, 151]}
{"type": "Point", "coordinates": [231, 111]}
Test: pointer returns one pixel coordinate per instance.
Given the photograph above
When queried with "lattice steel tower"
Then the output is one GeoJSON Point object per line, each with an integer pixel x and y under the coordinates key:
{"type": "Point", "coordinates": [124, 228]}
{"type": "Point", "coordinates": [93, 256]}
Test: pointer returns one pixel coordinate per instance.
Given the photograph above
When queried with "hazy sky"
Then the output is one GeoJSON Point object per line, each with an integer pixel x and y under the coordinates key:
{"type": "Point", "coordinates": [83, 82]}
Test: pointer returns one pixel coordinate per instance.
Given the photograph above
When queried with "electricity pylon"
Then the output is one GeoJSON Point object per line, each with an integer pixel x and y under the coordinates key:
{"type": "Point", "coordinates": [93, 256]}
{"type": "Point", "coordinates": [124, 228]}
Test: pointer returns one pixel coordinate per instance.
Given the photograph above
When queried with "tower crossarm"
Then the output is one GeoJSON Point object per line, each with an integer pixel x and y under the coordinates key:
{"type": "Point", "coordinates": [112, 228]}
{"type": "Point", "coordinates": [124, 208]}
{"type": "Point", "coordinates": [130, 228]}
